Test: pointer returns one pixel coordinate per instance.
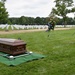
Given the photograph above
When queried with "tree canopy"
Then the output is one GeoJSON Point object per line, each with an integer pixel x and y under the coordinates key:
{"type": "Point", "coordinates": [62, 8]}
{"type": "Point", "coordinates": [3, 12]}
{"type": "Point", "coordinates": [3, 1]}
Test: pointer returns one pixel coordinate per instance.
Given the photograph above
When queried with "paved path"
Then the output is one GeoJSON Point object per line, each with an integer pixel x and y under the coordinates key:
{"type": "Point", "coordinates": [23, 31]}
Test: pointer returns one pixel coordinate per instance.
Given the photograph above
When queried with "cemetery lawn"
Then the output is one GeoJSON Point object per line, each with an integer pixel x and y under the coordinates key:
{"type": "Point", "coordinates": [58, 48]}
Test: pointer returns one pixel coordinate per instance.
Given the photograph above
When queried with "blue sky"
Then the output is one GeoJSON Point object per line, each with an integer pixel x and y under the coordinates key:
{"type": "Point", "coordinates": [30, 8]}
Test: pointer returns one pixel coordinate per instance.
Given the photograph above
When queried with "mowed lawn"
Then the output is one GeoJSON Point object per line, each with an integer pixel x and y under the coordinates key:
{"type": "Point", "coordinates": [59, 49]}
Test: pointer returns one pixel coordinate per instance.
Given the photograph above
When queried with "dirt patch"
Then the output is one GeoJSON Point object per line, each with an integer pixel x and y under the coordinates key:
{"type": "Point", "coordinates": [23, 31]}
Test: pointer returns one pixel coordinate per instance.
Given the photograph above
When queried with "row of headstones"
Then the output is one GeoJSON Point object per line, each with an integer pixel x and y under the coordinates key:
{"type": "Point", "coordinates": [13, 27]}
{"type": "Point", "coordinates": [66, 26]}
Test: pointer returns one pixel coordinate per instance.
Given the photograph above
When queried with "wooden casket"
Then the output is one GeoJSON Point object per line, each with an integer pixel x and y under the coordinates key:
{"type": "Point", "coordinates": [12, 46]}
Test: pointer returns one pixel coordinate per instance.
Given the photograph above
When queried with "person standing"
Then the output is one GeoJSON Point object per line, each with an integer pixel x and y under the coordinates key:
{"type": "Point", "coordinates": [51, 25]}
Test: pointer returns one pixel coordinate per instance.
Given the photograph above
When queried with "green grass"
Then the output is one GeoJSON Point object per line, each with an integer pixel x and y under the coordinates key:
{"type": "Point", "coordinates": [59, 49]}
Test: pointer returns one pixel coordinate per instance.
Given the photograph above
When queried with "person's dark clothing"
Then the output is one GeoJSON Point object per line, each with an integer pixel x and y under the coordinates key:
{"type": "Point", "coordinates": [51, 25]}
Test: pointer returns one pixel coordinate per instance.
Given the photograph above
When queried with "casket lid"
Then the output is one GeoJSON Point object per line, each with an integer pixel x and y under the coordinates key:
{"type": "Point", "coordinates": [9, 41]}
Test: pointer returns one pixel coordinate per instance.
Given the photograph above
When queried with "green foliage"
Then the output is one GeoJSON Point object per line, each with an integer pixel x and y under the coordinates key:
{"type": "Point", "coordinates": [2, 1]}
{"type": "Point", "coordinates": [22, 20]}
{"type": "Point", "coordinates": [61, 8]}
{"type": "Point", "coordinates": [36, 21]}
{"type": "Point", "coordinates": [3, 14]}
{"type": "Point", "coordinates": [59, 49]}
{"type": "Point", "coordinates": [28, 20]}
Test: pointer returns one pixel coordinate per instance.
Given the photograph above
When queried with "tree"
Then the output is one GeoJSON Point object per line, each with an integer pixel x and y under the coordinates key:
{"type": "Point", "coordinates": [38, 20]}
{"type": "Point", "coordinates": [3, 1]}
{"type": "Point", "coordinates": [62, 9]}
{"type": "Point", "coordinates": [3, 13]}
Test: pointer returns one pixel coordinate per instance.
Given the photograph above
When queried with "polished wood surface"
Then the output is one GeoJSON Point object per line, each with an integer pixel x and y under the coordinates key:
{"type": "Point", "coordinates": [12, 46]}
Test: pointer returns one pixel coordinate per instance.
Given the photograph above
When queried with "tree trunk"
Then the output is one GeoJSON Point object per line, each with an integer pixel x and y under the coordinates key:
{"type": "Point", "coordinates": [65, 22]}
